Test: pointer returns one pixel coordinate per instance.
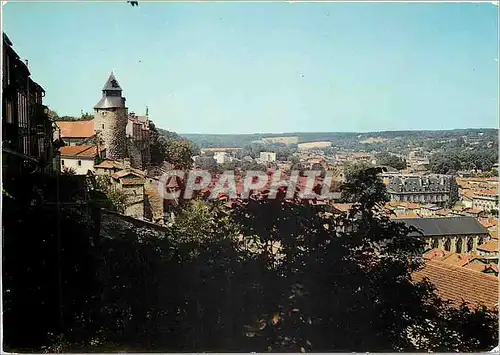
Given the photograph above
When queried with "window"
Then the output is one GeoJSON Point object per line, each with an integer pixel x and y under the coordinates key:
{"type": "Point", "coordinates": [9, 118]}
{"type": "Point", "coordinates": [458, 248]}
{"type": "Point", "coordinates": [470, 244]}
{"type": "Point", "coordinates": [79, 163]}
{"type": "Point", "coordinates": [62, 162]}
{"type": "Point", "coordinates": [447, 244]}
{"type": "Point", "coordinates": [435, 244]}
{"type": "Point", "coordinates": [103, 126]}
{"type": "Point", "coordinates": [7, 69]}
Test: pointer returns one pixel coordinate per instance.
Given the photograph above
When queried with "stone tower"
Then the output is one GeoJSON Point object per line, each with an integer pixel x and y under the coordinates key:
{"type": "Point", "coordinates": [110, 120]}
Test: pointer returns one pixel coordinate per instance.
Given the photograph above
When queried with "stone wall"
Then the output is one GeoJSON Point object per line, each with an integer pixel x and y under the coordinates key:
{"type": "Point", "coordinates": [135, 201]}
{"type": "Point", "coordinates": [110, 125]}
{"type": "Point", "coordinates": [134, 154]}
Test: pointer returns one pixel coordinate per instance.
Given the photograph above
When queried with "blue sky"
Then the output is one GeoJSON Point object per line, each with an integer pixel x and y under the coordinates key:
{"type": "Point", "coordinates": [269, 67]}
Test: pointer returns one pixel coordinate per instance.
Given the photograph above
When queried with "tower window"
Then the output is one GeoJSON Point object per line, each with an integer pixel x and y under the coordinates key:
{"type": "Point", "coordinates": [79, 163]}
{"type": "Point", "coordinates": [103, 126]}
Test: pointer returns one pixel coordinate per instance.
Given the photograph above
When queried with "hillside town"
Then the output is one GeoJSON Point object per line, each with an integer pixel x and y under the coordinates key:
{"type": "Point", "coordinates": [113, 154]}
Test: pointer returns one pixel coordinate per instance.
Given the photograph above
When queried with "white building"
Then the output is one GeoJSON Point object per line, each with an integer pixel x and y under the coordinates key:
{"type": "Point", "coordinates": [79, 159]}
{"type": "Point", "coordinates": [267, 157]}
{"type": "Point", "coordinates": [222, 157]}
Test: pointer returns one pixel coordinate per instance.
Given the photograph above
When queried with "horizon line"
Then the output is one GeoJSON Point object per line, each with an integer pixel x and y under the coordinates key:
{"type": "Point", "coordinates": [336, 132]}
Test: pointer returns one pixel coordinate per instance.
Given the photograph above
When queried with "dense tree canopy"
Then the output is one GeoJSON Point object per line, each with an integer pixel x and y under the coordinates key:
{"type": "Point", "coordinates": [454, 160]}
{"type": "Point", "coordinates": [393, 161]}
{"type": "Point", "coordinates": [260, 275]}
{"type": "Point", "coordinates": [170, 147]}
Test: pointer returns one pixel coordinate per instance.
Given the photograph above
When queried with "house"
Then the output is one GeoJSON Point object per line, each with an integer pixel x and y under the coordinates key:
{"type": "Point", "coordinates": [267, 157]}
{"type": "Point", "coordinates": [222, 157]}
{"type": "Point", "coordinates": [27, 131]}
{"type": "Point", "coordinates": [467, 197]}
{"type": "Point", "coordinates": [456, 234]}
{"type": "Point", "coordinates": [429, 210]}
{"type": "Point", "coordinates": [79, 159]}
{"type": "Point", "coordinates": [474, 213]}
{"type": "Point", "coordinates": [490, 248]}
{"type": "Point", "coordinates": [75, 132]}
{"type": "Point", "coordinates": [131, 183]}
{"type": "Point", "coordinates": [434, 189]}
{"type": "Point", "coordinates": [457, 284]}
{"type": "Point", "coordinates": [485, 200]}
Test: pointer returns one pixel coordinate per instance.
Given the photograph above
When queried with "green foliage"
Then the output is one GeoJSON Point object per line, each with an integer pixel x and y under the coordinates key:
{"type": "Point", "coordinates": [87, 116]}
{"type": "Point", "coordinates": [387, 159]}
{"type": "Point", "coordinates": [68, 171]}
{"type": "Point", "coordinates": [53, 115]}
{"type": "Point", "coordinates": [118, 200]}
{"type": "Point", "coordinates": [179, 153]}
{"type": "Point", "coordinates": [452, 161]}
{"type": "Point", "coordinates": [397, 141]}
{"type": "Point", "coordinates": [454, 196]}
{"type": "Point", "coordinates": [354, 168]}
{"type": "Point", "coordinates": [170, 147]}
{"type": "Point", "coordinates": [262, 276]}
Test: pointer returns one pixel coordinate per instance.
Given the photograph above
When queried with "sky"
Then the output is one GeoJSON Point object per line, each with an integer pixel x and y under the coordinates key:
{"type": "Point", "coordinates": [268, 67]}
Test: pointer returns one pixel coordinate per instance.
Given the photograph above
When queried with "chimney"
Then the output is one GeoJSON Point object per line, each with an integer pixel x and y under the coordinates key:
{"type": "Point", "coordinates": [126, 163]}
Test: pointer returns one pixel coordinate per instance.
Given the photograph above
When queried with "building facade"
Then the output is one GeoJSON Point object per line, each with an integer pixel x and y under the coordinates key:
{"type": "Point", "coordinates": [460, 235]}
{"type": "Point", "coordinates": [486, 200]}
{"type": "Point", "coordinates": [27, 131]}
{"type": "Point", "coordinates": [436, 189]}
{"type": "Point", "coordinates": [267, 157]}
{"type": "Point", "coordinates": [79, 159]}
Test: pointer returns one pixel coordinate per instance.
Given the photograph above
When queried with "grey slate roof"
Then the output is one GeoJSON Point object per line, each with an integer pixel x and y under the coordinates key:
{"type": "Point", "coordinates": [415, 184]}
{"type": "Point", "coordinates": [445, 226]}
{"type": "Point", "coordinates": [112, 84]}
{"type": "Point", "coordinates": [110, 102]}
{"type": "Point", "coordinates": [111, 95]}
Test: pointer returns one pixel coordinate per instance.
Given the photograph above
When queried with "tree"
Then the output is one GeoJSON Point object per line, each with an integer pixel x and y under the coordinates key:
{"type": "Point", "coordinates": [339, 285]}
{"type": "Point", "coordinates": [53, 115]}
{"type": "Point", "coordinates": [254, 275]}
{"type": "Point", "coordinates": [206, 163]}
{"type": "Point", "coordinates": [170, 147]}
{"type": "Point", "coordinates": [387, 159]}
{"type": "Point", "coordinates": [179, 153]}
{"type": "Point", "coordinates": [86, 117]}
{"type": "Point", "coordinates": [454, 195]}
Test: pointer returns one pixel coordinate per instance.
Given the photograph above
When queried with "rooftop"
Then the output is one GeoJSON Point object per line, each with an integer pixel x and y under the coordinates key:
{"type": "Point", "coordinates": [76, 129]}
{"type": "Point", "coordinates": [457, 283]}
{"type": "Point", "coordinates": [79, 151]}
{"type": "Point", "coordinates": [446, 226]}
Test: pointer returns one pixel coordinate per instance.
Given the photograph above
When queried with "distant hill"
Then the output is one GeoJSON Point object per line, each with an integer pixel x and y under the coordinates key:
{"type": "Point", "coordinates": [348, 140]}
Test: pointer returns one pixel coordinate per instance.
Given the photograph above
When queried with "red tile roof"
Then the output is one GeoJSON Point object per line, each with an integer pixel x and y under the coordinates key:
{"type": "Point", "coordinates": [494, 234]}
{"type": "Point", "coordinates": [482, 267]}
{"type": "Point", "coordinates": [76, 129]}
{"type": "Point", "coordinates": [437, 254]}
{"type": "Point", "coordinates": [107, 164]}
{"type": "Point", "coordinates": [489, 246]}
{"type": "Point", "coordinates": [457, 283]}
{"type": "Point", "coordinates": [79, 151]}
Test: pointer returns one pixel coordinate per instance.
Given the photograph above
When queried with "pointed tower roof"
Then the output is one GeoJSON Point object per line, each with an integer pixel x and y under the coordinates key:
{"type": "Point", "coordinates": [111, 95]}
{"type": "Point", "coordinates": [112, 84]}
